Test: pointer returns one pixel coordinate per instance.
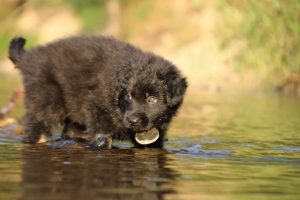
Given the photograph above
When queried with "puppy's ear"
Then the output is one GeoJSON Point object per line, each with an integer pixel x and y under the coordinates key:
{"type": "Point", "coordinates": [175, 86]}
{"type": "Point", "coordinates": [176, 90]}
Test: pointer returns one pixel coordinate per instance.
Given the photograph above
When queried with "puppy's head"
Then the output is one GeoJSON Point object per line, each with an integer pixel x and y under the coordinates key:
{"type": "Point", "coordinates": [150, 92]}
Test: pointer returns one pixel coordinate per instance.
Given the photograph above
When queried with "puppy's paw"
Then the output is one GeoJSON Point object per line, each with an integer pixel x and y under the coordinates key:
{"type": "Point", "coordinates": [36, 139]}
{"type": "Point", "coordinates": [100, 142]}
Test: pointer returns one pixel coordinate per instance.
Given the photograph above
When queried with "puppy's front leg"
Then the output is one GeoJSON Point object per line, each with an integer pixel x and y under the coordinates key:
{"type": "Point", "coordinates": [98, 130]}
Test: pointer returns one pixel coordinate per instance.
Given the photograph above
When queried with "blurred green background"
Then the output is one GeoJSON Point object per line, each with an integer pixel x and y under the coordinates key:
{"type": "Point", "coordinates": [220, 45]}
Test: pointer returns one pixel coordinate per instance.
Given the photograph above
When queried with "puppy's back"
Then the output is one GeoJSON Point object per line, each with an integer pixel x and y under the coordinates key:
{"type": "Point", "coordinates": [72, 53]}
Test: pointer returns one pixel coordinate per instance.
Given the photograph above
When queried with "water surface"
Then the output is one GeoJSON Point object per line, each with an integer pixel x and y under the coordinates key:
{"type": "Point", "coordinates": [219, 147]}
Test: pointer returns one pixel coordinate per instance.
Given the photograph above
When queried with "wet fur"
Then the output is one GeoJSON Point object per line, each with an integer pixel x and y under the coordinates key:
{"type": "Point", "coordinates": [85, 84]}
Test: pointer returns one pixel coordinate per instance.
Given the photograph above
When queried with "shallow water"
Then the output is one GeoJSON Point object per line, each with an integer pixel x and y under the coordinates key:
{"type": "Point", "coordinates": [219, 147]}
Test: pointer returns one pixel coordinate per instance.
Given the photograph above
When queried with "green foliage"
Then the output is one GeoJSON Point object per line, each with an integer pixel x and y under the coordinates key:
{"type": "Point", "coordinates": [269, 31]}
{"type": "Point", "coordinates": [142, 8]}
{"type": "Point", "coordinates": [92, 12]}
{"type": "Point", "coordinates": [5, 38]}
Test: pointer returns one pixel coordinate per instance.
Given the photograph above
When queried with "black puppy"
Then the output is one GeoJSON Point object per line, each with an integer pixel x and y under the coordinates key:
{"type": "Point", "coordinates": [100, 87]}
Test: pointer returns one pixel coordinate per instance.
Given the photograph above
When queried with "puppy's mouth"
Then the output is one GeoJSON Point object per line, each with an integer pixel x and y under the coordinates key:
{"type": "Point", "coordinates": [139, 130]}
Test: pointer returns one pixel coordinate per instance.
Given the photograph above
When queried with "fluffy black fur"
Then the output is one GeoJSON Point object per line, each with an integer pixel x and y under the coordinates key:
{"type": "Point", "coordinates": [98, 87]}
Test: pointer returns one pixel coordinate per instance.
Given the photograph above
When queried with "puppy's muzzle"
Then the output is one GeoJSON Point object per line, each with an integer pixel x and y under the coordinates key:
{"type": "Point", "coordinates": [137, 121]}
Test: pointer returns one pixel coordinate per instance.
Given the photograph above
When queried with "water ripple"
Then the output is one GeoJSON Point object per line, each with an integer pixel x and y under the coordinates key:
{"type": "Point", "coordinates": [287, 148]}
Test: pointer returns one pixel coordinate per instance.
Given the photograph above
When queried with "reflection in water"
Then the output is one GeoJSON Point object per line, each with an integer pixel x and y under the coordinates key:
{"type": "Point", "coordinates": [82, 174]}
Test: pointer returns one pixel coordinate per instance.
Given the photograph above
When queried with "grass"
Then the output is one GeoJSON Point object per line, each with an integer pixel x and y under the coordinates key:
{"type": "Point", "coordinates": [269, 31]}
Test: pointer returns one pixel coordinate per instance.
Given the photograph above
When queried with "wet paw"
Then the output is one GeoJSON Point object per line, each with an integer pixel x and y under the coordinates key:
{"type": "Point", "coordinates": [100, 142]}
{"type": "Point", "coordinates": [36, 139]}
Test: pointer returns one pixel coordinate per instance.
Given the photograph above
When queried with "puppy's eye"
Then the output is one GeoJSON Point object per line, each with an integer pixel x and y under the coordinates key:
{"type": "Point", "coordinates": [151, 99]}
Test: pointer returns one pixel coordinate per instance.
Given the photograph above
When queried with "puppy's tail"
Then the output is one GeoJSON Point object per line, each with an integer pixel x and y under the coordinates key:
{"type": "Point", "coordinates": [16, 49]}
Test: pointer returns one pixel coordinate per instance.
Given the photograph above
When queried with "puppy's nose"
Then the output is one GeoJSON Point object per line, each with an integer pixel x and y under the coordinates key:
{"type": "Point", "coordinates": [134, 120]}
